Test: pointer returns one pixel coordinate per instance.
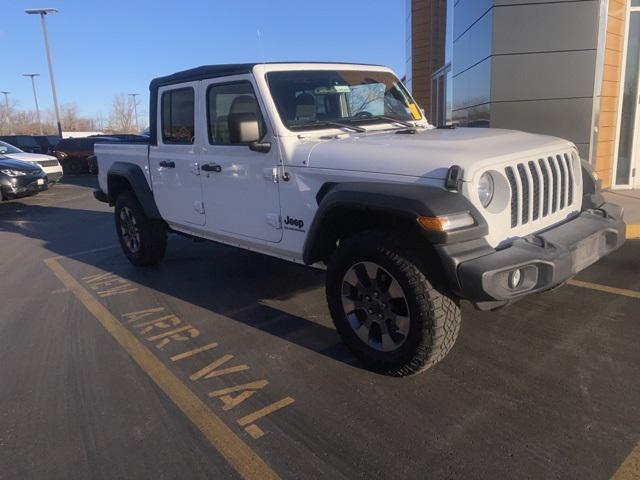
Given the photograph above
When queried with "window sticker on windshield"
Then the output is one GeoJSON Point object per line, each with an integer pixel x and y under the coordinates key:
{"type": "Point", "coordinates": [415, 111]}
{"type": "Point", "coordinates": [332, 89]}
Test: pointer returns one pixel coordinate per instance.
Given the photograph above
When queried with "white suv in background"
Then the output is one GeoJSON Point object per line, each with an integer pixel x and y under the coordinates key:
{"type": "Point", "coordinates": [49, 164]}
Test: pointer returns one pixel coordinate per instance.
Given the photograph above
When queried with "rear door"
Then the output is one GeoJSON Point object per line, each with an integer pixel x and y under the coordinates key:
{"type": "Point", "coordinates": [173, 162]}
{"type": "Point", "coordinates": [240, 193]}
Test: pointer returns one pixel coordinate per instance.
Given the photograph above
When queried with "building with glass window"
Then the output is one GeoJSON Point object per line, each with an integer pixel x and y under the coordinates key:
{"type": "Point", "coordinates": [569, 68]}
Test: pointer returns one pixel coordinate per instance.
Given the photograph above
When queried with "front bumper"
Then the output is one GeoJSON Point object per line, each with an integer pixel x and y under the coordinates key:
{"type": "Point", "coordinates": [545, 259]}
{"type": "Point", "coordinates": [26, 185]}
{"type": "Point", "coordinates": [54, 177]}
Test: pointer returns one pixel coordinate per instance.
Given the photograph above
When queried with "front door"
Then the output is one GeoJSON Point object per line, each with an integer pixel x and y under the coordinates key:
{"type": "Point", "coordinates": [173, 162]}
{"type": "Point", "coordinates": [627, 172]}
{"type": "Point", "coordinates": [240, 195]}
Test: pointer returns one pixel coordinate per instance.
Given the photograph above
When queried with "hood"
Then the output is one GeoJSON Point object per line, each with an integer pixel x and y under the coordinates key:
{"type": "Point", "coordinates": [429, 153]}
{"type": "Point", "coordinates": [9, 163]}
{"type": "Point", "coordinates": [29, 157]}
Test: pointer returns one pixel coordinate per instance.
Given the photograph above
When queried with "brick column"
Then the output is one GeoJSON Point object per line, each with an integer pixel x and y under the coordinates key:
{"type": "Point", "coordinates": [428, 28]}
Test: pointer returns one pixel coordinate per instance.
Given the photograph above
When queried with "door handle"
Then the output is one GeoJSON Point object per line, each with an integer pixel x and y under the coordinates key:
{"type": "Point", "coordinates": [165, 164]}
{"type": "Point", "coordinates": [211, 167]}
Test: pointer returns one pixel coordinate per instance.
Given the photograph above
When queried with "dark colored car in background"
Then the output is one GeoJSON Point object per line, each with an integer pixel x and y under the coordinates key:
{"type": "Point", "coordinates": [32, 143]}
{"type": "Point", "coordinates": [76, 154]}
{"type": "Point", "coordinates": [19, 179]}
{"type": "Point", "coordinates": [47, 143]}
{"type": "Point", "coordinates": [26, 143]}
{"type": "Point", "coordinates": [72, 153]}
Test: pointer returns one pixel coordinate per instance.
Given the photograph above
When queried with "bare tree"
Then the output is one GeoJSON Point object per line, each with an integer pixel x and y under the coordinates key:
{"type": "Point", "coordinates": [100, 122]}
{"type": "Point", "coordinates": [7, 113]}
{"type": "Point", "coordinates": [72, 121]}
{"type": "Point", "coordinates": [122, 118]}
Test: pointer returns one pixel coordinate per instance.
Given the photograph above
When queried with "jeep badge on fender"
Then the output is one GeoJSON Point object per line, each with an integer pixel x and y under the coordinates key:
{"type": "Point", "coordinates": [298, 224]}
{"type": "Point", "coordinates": [406, 226]}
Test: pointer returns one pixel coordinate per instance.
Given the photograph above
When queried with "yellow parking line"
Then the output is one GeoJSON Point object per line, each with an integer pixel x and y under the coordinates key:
{"type": "Point", "coordinates": [605, 288]}
{"type": "Point", "coordinates": [239, 455]}
{"type": "Point", "coordinates": [630, 468]}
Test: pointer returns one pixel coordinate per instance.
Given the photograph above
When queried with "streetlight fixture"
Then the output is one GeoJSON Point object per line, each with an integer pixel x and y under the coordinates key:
{"type": "Point", "coordinates": [43, 12]}
{"type": "Point", "coordinates": [6, 104]}
{"type": "Point", "coordinates": [35, 96]}
{"type": "Point", "coordinates": [135, 109]}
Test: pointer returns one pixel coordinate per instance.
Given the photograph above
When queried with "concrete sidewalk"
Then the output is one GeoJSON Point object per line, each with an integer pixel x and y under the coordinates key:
{"type": "Point", "coordinates": [630, 201]}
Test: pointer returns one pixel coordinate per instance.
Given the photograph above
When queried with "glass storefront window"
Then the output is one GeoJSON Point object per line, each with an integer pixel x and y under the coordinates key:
{"type": "Point", "coordinates": [629, 102]}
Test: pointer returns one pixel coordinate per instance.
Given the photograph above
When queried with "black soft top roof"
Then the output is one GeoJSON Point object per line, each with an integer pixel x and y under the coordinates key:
{"type": "Point", "coordinates": [199, 73]}
{"type": "Point", "coordinates": [204, 72]}
{"type": "Point", "coordinates": [214, 71]}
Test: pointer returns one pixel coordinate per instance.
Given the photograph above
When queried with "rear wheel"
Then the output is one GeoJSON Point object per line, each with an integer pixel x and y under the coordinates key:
{"type": "Point", "coordinates": [143, 239]}
{"type": "Point", "coordinates": [73, 166]}
{"type": "Point", "coordinates": [386, 308]}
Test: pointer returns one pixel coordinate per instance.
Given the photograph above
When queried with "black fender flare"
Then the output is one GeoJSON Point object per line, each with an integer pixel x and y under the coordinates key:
{"type": "Point", "coordinates": [408, 201]}
{"type": "Point", "coordinates": [134, 175]}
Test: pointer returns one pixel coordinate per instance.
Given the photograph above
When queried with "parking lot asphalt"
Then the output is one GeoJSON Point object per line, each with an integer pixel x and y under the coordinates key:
{"type": "Point", "coordinates": [220, 363]}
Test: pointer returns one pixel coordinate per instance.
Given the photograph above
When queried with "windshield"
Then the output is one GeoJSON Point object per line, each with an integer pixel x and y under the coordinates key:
{"type": "Point", "coordinates": [315, 98]}
{"type": "Point", "coordinates": [5, 148]}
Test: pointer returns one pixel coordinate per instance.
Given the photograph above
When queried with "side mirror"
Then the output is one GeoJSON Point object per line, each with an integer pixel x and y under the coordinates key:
{"type": "Point", "coordinates": [243, 128]}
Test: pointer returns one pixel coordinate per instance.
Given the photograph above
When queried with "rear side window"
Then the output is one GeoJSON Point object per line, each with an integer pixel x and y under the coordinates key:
{"type": "Point", "coordinates": [178, 116]}
{"type": "Point", "coordinates": [62, 144]}
{"type": "Point", "coordinates": [226, 100]}
{"type": "Point", "coordinates": [27, 141]}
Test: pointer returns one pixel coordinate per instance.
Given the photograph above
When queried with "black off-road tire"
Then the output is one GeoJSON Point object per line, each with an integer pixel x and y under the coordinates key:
{"type": "Point", "coordinates": [73, 166]}
{"type": "Point", "coordinates": [433, 311]}
{"type": "Point", "coordinates": [152, 232]}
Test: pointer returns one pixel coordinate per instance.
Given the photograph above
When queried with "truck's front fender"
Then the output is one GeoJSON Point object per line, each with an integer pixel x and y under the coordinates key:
{"type": "Point", "coordinates": [402, 201]}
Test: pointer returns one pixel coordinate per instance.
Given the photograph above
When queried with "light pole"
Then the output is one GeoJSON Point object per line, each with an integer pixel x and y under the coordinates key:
{"type": "Point", "coordinates": [6, 105]}
{"type": "Point", "coordinates": [43, 12]}
{"type": "Point", "coordinates": [135, 109]}
{"type": "Point", "coordinates": [35, 96]}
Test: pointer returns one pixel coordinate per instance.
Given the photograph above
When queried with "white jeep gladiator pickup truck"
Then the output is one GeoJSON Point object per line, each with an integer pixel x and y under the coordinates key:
{"type": "Point", "coordinates": [334, 165]}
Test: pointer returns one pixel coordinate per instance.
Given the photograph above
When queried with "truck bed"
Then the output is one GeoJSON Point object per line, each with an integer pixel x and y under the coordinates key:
{"type": "Point", "coordinates": [136, 152]}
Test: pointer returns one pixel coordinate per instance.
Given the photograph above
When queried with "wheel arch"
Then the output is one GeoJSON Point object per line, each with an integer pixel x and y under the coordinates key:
{"type": "Point", "coordinates": [124, 176]}
{"type": "Point", "coordinates": [348, 208]}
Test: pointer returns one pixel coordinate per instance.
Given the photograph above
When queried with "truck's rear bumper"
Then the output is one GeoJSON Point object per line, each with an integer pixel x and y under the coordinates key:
{"type": "Point", "coordinates": [486, 276]}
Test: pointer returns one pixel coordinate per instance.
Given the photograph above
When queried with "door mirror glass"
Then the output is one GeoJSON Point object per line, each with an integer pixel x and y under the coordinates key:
{"type": "Point", "coordinates": [244, 127]}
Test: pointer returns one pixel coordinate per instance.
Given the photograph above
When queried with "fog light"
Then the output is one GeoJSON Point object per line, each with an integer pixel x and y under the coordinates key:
{"type": "Point", "coordinates": [515, 279]}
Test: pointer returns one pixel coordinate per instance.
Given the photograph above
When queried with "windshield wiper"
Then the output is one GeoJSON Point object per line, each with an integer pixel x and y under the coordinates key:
{"type": "Point", "coordinates": [395, 120]}
{"type": "Point", "coordinates": [330, 123]}
{"type": "Point", "coordinates": [384, 118]}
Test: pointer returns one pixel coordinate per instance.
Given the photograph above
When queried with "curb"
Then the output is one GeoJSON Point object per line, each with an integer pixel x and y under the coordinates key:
{"type": "Point", "coordinates": [633, 231]}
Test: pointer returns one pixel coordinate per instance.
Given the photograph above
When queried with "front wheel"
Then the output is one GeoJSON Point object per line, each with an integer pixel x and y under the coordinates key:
{"type": "Point", "coordinates": [385, 307]}
{"type": "Point", "coordinates": [142, 239]}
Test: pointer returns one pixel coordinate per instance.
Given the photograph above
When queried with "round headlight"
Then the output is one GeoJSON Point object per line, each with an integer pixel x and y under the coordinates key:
{"type": "Point", "coordinates": [485, 189]}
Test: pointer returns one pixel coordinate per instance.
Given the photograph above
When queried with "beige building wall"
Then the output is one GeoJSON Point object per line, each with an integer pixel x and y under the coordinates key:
{"type": "Point", "coordinates": [611, 88]}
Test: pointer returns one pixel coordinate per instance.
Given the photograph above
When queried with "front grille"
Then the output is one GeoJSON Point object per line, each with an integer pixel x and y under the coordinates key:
{"type": "Point", "coordinates": [47, 163]}
{"type": "Point", "coordinates": [540, 188]}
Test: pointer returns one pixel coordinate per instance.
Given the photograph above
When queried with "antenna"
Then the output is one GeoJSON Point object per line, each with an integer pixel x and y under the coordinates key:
{"type": "Point", "coordinates": [260, 47]}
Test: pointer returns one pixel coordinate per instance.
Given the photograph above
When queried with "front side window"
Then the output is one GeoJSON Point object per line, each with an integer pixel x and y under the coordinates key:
{"type": "Point", "coordinates": [178, 122]}
{"type": "Point", "coordinates": [223, 102]}
{"type": "Point", "coordinates": [308, 99]}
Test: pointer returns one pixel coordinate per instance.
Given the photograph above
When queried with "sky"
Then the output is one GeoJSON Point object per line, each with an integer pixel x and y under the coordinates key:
{"type": "Point", "coordinates": [103, 48]}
